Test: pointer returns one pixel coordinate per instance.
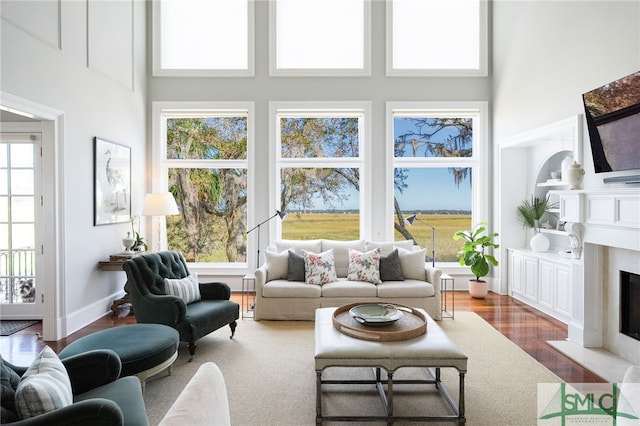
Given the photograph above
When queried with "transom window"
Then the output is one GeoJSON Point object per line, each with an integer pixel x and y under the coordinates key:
{"type": "Point", "coordinates": [436, 37]}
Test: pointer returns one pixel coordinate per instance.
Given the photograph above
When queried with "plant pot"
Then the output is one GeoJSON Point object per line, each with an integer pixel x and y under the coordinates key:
{"type": "Point", "coordinates": [478, 289]}
{"type": "Point", "coordinates": [539, 243]}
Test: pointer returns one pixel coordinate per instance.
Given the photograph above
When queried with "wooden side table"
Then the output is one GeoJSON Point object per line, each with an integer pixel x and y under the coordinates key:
{"type": "Point", "coordinates": [116, 265]}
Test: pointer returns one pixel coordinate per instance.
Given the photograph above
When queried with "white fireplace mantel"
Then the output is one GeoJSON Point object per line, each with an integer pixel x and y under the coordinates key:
{"type": "Point", "coordinates": [611, 218]}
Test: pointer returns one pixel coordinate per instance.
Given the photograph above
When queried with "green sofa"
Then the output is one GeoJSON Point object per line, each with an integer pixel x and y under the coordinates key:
{"type": "Point", "coordinates": [146, 275]}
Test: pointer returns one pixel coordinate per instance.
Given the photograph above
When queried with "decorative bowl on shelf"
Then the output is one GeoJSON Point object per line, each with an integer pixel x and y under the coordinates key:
{"type": "Point", "coordinates": [375, 314]}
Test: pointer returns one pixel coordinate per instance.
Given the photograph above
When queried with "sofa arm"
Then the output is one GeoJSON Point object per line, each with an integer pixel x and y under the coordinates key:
{"type": "Point", "coordinates": [261, 278]}
{"type": "Point", "coordinates": [433, 277]}
{"type": "Point", "coordinates": [203, 401]}
{"type": "Point", "coordinates": [94, 411]}
{"type": "Point", "coordinates": [91, 369]}
{"type": "Point", "coordinates": [215, 291]}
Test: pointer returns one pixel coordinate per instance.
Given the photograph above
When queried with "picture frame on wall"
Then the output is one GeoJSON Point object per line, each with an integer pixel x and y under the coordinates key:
{"type": "Point", "coordinates": [111, 182]}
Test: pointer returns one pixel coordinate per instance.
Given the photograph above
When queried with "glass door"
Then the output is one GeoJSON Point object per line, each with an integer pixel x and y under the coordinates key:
{"type": "Point", "coordinates": [20, 206]}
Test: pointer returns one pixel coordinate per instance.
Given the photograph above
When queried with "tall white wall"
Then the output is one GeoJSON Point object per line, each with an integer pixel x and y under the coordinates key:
{"type": "Point", "coordinates": [87, 60]}
{"type": "Point", "coordinates": [546, 54]}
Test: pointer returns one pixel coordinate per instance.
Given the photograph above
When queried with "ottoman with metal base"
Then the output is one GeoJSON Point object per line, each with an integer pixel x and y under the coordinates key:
{"type": "Point", "coordinates": [144, 349]}
{"type": "Point", "coordinates": [431, 351]}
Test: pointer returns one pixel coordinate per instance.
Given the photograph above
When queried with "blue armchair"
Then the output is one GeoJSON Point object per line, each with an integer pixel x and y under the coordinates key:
{"type": "Point", "coordinates": [146, 286]}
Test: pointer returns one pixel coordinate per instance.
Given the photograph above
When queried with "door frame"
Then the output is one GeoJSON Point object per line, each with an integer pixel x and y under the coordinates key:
{"type": "Point", "coordinates": [51, 128]}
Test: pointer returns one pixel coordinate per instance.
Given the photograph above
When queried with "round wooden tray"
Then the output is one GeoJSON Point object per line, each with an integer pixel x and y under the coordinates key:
{"type": "Point", "coordinates": [412, 324]}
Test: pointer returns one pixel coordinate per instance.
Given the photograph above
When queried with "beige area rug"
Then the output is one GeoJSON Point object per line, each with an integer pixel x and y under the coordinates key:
{"type": "Point", "coordinates": [270, 377]}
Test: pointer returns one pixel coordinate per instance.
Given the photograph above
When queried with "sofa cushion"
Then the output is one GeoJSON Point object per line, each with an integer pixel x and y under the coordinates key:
{"type": "Point", "coordinates": [406, 288]}
{"type": "Point", "coordinates": [319, 268]}
{"type": "Point", "coordinates": [295, 266]}
{"type": "Point", "coordinates": [413, 264]}
{"type": "Point", "coordinates": [364, 266]}
{"type": "Point", "coordinates": [186, 288]}
{"type": "Point", "coordinates": [44, 387]}
{"type": "Point", "coordinates": [283, 288]}
{"type": "Point", "coordinates": [277, 264]}
{"type": "Point", "coordinates": [390, 267]}
{"type": "Point", "coordinates": [341, 253]}
{"type": "Point", "coordinates": [387, 247]}
{"type": "Point", "coordinates": [299, 245]}
{"type": "Point", "coordinates": [345, 288]}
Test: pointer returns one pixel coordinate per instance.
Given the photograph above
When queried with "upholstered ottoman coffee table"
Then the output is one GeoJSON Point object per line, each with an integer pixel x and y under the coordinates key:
{"type": "Point", "coordinates": [144, 349]}
{"type": "Point", "coordinates": [432, 350]}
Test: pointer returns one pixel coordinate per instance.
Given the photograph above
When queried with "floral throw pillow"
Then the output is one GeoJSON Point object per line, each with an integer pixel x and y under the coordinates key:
{"type": "Point", "coordinates": [319, 268]}
{"type": "Point", "coordinates": [364, 266]}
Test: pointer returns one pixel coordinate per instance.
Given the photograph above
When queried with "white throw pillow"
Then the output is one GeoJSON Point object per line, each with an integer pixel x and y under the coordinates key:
{"type": "Point", "coordinates": [364, 266]}
{"type": "Point", "coordinates": [277, 265]}
{"type": "Point", "coordinates": [186, 288]}
{"type": "Point", "coordinates": [44, 387]}
{"type": "Point", "coordinates": [319, 268]}
{"type": "Point", "coordinates": [413, 264]}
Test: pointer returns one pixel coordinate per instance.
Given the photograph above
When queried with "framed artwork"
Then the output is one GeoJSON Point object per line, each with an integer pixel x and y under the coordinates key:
{"type": "Point", "coordinates": [111, 182]}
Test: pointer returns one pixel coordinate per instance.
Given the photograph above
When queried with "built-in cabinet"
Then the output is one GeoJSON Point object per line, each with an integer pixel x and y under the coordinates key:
{"type": "Point", "coordinates": [544, 281]}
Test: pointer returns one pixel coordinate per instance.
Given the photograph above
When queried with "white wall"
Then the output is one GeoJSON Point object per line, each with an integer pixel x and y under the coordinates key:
{"type": "Point", "coordinates": [85, 59]}
{"type": "Point", "coordinates": [546, 54]}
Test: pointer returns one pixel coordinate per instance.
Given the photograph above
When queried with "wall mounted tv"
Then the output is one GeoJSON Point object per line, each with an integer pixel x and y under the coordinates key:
{"type": "Point", "coordinates": [613, 120]}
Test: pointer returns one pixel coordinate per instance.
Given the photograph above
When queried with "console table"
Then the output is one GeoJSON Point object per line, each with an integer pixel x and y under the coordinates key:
{"type": "Point", "coordinates": [116, 265]}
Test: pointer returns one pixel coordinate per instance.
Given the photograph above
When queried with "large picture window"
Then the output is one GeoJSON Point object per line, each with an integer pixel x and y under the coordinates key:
{"type": "Point", "coordinates": [436, 165]}
{"type": "Point", "coordinates": [205, 164]}
{"type": "Point", "coordinates": [319, 170]}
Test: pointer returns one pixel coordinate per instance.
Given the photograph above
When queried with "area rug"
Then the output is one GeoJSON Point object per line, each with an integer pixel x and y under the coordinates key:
{"type": "Point", "coordinates": [8, 327]}
{"type": "Point", "coordinates": [269, 372]}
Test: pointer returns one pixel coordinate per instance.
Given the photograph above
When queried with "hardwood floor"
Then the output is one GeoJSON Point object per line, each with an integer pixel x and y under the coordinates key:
{"type": "Point", "coordinates": [528, 328]}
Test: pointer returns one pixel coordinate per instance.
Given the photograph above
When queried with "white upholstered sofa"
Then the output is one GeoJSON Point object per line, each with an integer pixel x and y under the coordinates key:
{"type": "Point", "coordinates": [283, 294]}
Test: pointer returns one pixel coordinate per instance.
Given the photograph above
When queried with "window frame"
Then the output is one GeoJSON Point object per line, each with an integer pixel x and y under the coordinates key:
{"type": "Point", "coordinates": [482, 70]}
{"type": "Point", "coordinates": [479, 161]}
{"type": "Point", "coordinates": [158, 71]}
{"type": "Point", "coordinates": [161, 165]}
{"type": "Point", "coordinates": [362, 109]}
{"type": "Point", "coordinates": [274, 71]}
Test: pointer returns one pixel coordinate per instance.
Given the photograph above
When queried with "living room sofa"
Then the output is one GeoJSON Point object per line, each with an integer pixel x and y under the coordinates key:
{"type": "Point", "coordinates": [282, 293]}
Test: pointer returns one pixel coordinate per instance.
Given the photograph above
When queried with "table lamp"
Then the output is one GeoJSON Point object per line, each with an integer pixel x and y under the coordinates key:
{"type": "Point", "coordinates": [159, 204]}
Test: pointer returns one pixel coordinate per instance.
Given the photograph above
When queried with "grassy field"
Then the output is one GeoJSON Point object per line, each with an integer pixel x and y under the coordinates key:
{"type": "Point", "coordinates": [345, 226]}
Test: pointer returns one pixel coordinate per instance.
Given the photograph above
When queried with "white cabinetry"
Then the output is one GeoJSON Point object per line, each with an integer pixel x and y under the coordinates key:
{"type": "Point", "coordinates": [544, 281]}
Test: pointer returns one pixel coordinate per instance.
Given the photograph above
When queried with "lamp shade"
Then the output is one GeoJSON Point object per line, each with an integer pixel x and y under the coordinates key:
{"type": "Point", "coordinates": [159, 204]}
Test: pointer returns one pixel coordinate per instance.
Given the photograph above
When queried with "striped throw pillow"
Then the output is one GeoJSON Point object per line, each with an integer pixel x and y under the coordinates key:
{"type": "Point", "coordinates": [44, 387]}
{"type": "Point", "coordinates": [186, 288]}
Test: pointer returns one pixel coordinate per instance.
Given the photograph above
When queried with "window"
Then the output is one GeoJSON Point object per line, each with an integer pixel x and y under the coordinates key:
{"type": "Point", "coordinates": [310, 37]}
{"type": "Point", "coordinates": [204, 164]}
{"type": "Point", "coordinates": [203, 38]}
{"type": "Point", "coordinates": [437, 37]}
{"type": "Point", "coordinates": [437, 170]}
{"type": "Point", "coordinates": [319, 169]}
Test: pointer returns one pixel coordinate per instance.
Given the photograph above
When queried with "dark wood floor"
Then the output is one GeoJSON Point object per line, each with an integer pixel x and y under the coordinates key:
{"type": "Point", "coordinates": [528, 328]}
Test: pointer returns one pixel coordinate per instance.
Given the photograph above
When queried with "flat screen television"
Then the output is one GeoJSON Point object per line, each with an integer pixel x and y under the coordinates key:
{"type": "Point", "coordinates": [613, 121]}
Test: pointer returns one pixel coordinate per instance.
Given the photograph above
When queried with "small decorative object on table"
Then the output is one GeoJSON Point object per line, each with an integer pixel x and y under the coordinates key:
{"type": "Point", "coordinates": [410, 322]}
{"type": "Point", "coordinates": [128, 242]}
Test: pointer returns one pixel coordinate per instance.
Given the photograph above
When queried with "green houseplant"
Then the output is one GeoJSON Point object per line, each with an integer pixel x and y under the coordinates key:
{"type": "Point", "coordinates": [529, 213]}
{"type": "Point", "coordinates": [473, 254]}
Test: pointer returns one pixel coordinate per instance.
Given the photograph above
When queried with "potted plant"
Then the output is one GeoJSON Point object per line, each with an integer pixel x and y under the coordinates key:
{"type": "Point", "coordinates": [529, 214]}
{"type": "Point", "coordinates": [474, 255]}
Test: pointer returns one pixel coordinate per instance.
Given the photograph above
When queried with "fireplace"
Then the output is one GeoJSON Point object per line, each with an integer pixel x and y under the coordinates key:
{"type": "Point", "coordinates": [630, 304]}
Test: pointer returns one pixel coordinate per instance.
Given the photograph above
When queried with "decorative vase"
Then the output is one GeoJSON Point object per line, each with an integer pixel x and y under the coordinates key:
{"type": "Point", "coordinates": [575, 174]}
{"type": "Point", "coordinates": [478, 289]}
{"type": "Point", "coordinates": [128, 242]}
{"type": "Point", "coordinates": [539, 243]}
